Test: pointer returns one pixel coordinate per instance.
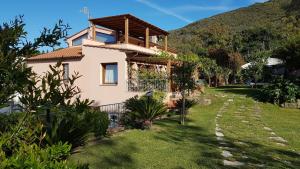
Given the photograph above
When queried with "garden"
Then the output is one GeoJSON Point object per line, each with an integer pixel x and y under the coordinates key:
{"type": "Point", "coordinates": [239, 126]}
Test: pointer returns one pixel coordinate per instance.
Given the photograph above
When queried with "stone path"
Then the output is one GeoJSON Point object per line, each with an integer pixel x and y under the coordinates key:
{"type": "Point", "coordinates": [227, 152]}
{"type": "Point", "coordinates": [273, 136]}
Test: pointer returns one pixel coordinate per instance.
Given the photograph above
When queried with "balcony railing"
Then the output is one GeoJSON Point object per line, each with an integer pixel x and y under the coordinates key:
{"type": "Point", "coordinates": [142, 85]}
{"type": "Point", "coordinates": [141, 42]}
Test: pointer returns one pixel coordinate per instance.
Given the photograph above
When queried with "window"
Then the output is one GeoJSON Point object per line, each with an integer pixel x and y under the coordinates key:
{"type": "Point", "coordinates": [109, 73]}
{"type": "Point", "coordinates": [66, 71]}
{"type": "Point", "coordinates": [78, 41]}
{"type": "Point", "coordinates": [105, 38]}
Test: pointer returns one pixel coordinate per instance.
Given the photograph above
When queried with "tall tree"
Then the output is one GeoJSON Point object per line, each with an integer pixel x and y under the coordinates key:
{"type": "Point", "coordinates": [15, 47]}
{"type": "Point", "coordinates": [290, 54]}
{"type": "Point", "coordinates": [207, 66]}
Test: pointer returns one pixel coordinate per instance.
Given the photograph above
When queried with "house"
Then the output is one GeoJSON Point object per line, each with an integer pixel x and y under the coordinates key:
{"type": "Point", "coordinates": [109, 55]}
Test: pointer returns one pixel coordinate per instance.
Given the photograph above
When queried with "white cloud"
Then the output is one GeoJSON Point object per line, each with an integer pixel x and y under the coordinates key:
{"type": "Point", "coordinates": [164, 10]}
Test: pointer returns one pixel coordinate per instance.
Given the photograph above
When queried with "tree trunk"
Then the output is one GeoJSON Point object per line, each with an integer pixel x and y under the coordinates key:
{"type": "Point", "coordinates": [209, 82]}
{"type": "Point", "coordinates": [226, 81]}
{"type": "Point", "coordinates": [183, 107]}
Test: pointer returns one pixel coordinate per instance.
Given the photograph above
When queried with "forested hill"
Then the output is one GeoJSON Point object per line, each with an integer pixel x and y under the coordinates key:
{"type": "Point", "coordinates": [268, 14]}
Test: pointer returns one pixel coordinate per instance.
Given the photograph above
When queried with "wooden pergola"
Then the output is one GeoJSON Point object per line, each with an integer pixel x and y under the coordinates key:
{"type": "Point", "coordinates": [130, 25]}
{"type": "Point", "coordinates": [157, 61]}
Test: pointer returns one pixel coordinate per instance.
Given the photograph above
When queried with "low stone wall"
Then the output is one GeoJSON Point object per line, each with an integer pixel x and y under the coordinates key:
{"type": "Point", "coordinates": [295, 105]}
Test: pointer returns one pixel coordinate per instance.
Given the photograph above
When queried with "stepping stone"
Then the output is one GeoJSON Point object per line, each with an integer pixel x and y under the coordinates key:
{"type": "Point", "coordinates": [226, 154]}
{"type": "Point", "coordinates": [217, 125]}
{"type": "Point", "coordinates": [220, 138]}
{"type": "Point", "coordinates": [230, 100]}
{"type": "Point", "coordinates": [245, 121]}
{"type": "Point", "coordinates": [278, 139]}
{"type": "Point", "coordinates": [241, 143]}
{"type": "Point", "coordinates": [267, 128]}
{"type": "Point", "coordinates": [281, 144]}
{"type": "Point", "coordinates": [218, 129]}
{"type": "Point", "coordinates": [219, 134]}
{"type": "Point", "coordinates": [244, 156]}
{"type": "Point", "coordinates": [273, 133]}
{"type": "Point", "coordinates": [219, 115]}
{"type": "Point", "coordinates": [233, 163]}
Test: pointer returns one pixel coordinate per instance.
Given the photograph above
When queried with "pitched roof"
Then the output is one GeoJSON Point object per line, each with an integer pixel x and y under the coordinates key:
{"type": "Point", "coordinates": [66, 53]}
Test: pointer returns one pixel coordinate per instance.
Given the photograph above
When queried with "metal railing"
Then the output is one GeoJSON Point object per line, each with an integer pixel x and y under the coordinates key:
{"type": "Point", "coordinates": [142, 85]}
{"type": "Point", "coordinates": [114, 112]}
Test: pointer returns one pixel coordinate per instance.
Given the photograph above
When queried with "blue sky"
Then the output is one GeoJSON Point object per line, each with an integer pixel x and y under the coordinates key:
{"type": "Point", "coordinates": [167, 14]}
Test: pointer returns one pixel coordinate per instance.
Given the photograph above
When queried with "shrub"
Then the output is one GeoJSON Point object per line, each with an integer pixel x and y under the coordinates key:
{"type": "Point", "coordinates": [33, 156]}
{"type": "Point", "coordinates": [69, 127]}
{"type": "Point", "coordinates": [157, 95]}
{"type": "Point", "coordinates": [73, 126]}
{"type": "Point", "coordinates": [188, 104]}
{"type": "Point", "coordinates": [141, 112]}
{"type": "Point", "coordinates": [280, 91]}
{"type": "Point", "coordinates": [98, 121]}
{"type": "Point", "coordinates": [8, 120]}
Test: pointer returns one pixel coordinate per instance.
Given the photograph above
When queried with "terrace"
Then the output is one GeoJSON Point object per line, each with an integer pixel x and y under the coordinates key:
{"type": "Point", "coordinates": [132, 30]}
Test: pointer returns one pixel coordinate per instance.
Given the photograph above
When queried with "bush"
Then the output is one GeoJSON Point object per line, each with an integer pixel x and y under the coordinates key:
{"type": "Point", "coordinates": [188, 104]}
{"type": "Point", "coordinates": [33, 156]}
{"type": "Point", "coordinates": [8, 120]}
{"type": "Point", "coordinates": [141, 112]}
{"type": "Point", "coordinates": [98, 122]}
{"type": "Point", "coordinates": [280, 91]}
{"type": "Point", "coordinates": [73, 126]}
{"type": "Point", "coordinates": [157, 95]}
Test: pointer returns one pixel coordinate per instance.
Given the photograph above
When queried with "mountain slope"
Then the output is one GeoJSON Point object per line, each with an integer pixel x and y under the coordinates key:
{"type": "Point", "coordinates": [260, 14]}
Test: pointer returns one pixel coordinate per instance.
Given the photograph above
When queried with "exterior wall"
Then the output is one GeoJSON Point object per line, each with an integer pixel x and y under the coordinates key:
{"type": "Point", "coordinates": [91, 70]}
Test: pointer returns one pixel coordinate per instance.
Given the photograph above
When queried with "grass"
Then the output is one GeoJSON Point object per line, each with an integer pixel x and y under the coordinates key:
{"type": "Point", "coordinates": [170, 145]}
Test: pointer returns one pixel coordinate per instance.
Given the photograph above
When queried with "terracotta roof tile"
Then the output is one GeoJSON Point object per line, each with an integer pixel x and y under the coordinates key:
{"type": "Point", "coordinates": [66, 53]}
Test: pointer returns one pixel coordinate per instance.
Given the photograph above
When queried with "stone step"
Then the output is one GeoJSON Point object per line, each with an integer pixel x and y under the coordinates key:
{"type": "Point", "coordinates": [233, 163]}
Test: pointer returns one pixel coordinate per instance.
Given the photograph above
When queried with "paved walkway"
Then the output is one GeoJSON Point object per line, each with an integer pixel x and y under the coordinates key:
{"type": "Point", "coordinates": [229, 153]}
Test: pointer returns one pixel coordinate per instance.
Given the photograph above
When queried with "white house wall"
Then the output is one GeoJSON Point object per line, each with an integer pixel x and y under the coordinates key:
{"type": "Point", "coordinates": [90, 69]}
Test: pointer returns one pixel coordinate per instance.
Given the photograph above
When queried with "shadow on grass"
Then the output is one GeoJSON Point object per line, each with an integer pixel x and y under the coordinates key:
{"type": "Point", "coordinates": [208, 157]}
{"type": "Point", "coordinates": [120, 156]}
{"type": "Point", "coordinates": [253, 154]}
{"type": "Point", "coordinates": [241, 90]}
{"type": "Point", "coordinates": [189, 138]}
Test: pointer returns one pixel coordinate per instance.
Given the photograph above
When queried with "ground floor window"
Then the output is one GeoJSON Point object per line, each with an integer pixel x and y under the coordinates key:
{"type": "Point", "coordinates": [109, 73]}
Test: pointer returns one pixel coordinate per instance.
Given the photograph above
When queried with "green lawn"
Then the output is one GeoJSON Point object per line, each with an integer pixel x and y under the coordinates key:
{"type": "Point", "coordinates": [170, 145]}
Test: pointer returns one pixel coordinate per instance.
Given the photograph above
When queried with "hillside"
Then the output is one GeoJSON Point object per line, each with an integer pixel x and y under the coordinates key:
{"type": "Point", "coordinates": [260, 14]}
